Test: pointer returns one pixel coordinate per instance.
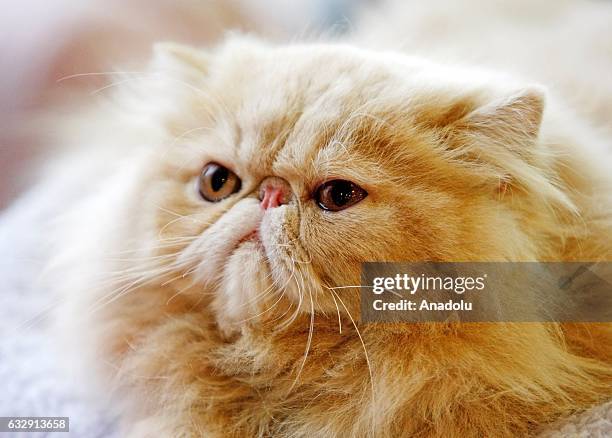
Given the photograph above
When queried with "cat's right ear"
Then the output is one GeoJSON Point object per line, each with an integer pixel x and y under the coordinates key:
{"type": "Point", "coordinates": [179, 60]}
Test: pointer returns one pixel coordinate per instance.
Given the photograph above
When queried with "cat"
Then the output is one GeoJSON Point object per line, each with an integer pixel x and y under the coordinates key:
{"type": "Point", "coordinates": [234, 194]}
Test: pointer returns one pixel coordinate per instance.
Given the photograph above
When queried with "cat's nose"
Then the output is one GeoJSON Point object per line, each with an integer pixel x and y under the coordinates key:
{"type": "Point", "coordinates": [273, 192]}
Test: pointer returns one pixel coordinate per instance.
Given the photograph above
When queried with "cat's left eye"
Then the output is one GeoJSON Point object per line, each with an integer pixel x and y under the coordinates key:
{"type": "Point", "coordinates": [338, 194]}
{"type": "Point", "coordinates": [217, 182]}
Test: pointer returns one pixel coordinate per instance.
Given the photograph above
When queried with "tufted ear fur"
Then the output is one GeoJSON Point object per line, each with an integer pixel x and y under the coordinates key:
{"type": "Point", "coordinates": [513, 122]}
{"type": "Point", "coordinates": [503, 132]}
{"type": "Point", "coordinates": [500, 140]}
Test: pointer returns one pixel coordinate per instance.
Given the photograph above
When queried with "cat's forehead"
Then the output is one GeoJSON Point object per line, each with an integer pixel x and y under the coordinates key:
{"type": "Point", "coordinates": [273, 81]}
{"type": "Point", "coordinates": [301, 105]}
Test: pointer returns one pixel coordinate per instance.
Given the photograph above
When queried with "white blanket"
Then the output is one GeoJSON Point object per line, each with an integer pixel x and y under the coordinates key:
{"type": "Point", "coordinates": [32, 383]}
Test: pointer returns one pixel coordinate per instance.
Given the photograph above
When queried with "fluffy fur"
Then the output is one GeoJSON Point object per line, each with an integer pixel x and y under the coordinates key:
{"type": "Point", "coordinates": [204, 334]}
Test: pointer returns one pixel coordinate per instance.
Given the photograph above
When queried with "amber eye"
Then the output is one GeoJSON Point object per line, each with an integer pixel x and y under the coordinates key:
{"type": "Point", "coordinates": [217, 182]}
{"type": "Point", "coordinates": [338, 194]}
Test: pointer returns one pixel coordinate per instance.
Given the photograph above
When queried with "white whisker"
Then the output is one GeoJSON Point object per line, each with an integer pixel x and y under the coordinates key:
{"type": "Point", "coordinates": [365, 351]}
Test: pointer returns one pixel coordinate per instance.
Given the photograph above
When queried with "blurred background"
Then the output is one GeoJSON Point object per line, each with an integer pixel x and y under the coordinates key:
{"type": "Point", "coordinates": [55, 51]}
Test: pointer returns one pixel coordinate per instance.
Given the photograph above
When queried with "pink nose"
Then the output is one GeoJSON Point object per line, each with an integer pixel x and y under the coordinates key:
{"type": "Point", "coordinates": [274, 192]}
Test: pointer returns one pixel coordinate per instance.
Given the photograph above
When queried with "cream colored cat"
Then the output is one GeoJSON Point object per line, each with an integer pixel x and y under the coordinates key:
{"type": "Point", "coordinates": [238, 189]}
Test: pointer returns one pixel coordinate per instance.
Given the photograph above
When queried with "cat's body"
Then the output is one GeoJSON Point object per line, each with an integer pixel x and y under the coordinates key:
{"type": "Point", "coordinates": [205, 331]}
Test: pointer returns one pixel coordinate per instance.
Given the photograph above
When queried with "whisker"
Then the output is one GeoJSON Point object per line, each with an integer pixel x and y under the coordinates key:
{"type": "Point", "coordinates": [338, 311]}
{"type": "Point", "coordinates": [39, 316]}
{"type": "Point", "coordinates": [308, 342]}
{"type": "Point", "coordinates": [347, 287]}
{"type": "Point", "coordinates": [182, 217]}
{"type": "Point", "coordinates": [294, 315]}
{"type": "Point", "coordinates": [365, 351]}
{"type": "Point", "coordinates": [111, 85]}
{"type": "Point", "coordinates": [102, 73]}
{"type": "Point", "coordinates": [178, 293]}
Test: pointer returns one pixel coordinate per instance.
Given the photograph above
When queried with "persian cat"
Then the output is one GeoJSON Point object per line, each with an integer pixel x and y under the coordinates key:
{"type": "Point", "coordinates": [232, 195]}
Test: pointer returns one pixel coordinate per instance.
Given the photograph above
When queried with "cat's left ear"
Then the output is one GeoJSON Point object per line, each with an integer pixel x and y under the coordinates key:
{"type": "Point", "coordinates": [179, 59]}
{"type": "Point", "coordinates": [501, 140]}
{"type": "Point", "coordinates": [513, 122]}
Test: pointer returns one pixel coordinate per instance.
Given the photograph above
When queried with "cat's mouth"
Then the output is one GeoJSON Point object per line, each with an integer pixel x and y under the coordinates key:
{"type": "Point", "coordinates": [251, 242]}
{"type": "Point", "coordinates": [253, 236]}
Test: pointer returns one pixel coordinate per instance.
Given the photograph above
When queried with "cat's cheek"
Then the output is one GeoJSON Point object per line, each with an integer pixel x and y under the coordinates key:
{"type": "Point", "coordinates": [245, 277]}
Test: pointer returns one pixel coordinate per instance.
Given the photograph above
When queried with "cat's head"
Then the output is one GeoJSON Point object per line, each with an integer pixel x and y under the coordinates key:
{"type": "Point", "coordinates": [279, 170]}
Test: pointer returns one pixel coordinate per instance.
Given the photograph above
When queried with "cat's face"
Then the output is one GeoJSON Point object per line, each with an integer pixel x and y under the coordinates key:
{"type": "Point", "coordinates": [374, 156]}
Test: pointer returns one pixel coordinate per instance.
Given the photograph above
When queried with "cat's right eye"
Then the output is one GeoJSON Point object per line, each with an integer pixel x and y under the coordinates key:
{"type": "Point", "coordinates": [217, 182]}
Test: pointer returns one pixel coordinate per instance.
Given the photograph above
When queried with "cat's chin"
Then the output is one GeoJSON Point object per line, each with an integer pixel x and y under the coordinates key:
{"type": "Point", "coordinates": [246, 276]}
